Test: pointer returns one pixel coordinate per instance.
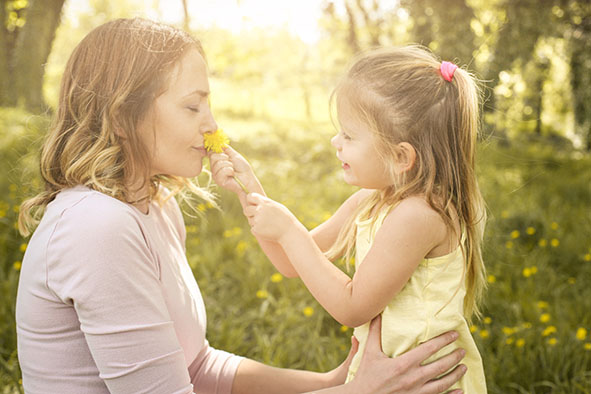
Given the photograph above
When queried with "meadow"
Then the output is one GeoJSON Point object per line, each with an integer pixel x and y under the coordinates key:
{"type": "Point", "coordinates": [535, 334]}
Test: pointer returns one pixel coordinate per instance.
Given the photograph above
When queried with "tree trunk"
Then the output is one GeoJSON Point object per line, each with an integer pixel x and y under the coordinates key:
{"type": "Point", "coordinates": [32, 50]}
{"type": "Point", "coordinates": [4, 70]}
{"type": "Point", "coordinates": [580, 63]}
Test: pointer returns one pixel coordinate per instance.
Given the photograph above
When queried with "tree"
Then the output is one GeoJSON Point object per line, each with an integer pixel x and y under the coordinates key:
{"type": "Point", "coordinates": [25, 49]}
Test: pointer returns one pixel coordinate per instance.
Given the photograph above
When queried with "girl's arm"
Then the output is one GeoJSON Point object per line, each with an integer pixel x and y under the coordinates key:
{"type": "Point", "coordinates": [230, 164]}
{"type": "Point", "coordinates": [407, 235]}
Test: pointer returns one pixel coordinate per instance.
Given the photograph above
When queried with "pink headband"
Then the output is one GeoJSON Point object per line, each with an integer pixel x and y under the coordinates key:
{"type": "Point", "coordinates": [447, 70]}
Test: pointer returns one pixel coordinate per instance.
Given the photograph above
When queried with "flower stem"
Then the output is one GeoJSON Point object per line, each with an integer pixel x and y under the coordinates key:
{"type": "Point", "coordinates": [238, 181]}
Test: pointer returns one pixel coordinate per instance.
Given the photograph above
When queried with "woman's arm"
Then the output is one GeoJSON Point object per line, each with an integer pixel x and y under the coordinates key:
{"type": "Point", "coordinates": [377, 373]}
{"type": "Point", "coordinates": [408, 233]}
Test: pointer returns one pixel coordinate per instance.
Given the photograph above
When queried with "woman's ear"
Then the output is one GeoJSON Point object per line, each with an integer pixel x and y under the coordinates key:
{"type": "Point", "coordinates": [407, 155]}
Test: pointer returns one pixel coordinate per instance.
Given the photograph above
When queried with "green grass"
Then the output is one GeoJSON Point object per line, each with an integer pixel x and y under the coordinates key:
{"type": "Point", "coordinates": [537, 250]}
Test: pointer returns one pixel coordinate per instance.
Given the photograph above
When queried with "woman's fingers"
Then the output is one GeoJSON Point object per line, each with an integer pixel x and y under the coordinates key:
{"type": "Point", "coordinates": [374, 339]}
{"type": "Point", "coordinates": [445, 382]}
{"type": "Point", "coordinates": [432, 346]}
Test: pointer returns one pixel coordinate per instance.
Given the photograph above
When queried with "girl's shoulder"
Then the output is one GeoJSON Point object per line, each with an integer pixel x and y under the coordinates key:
{"type": "Point", "coordinates": [416, 210]}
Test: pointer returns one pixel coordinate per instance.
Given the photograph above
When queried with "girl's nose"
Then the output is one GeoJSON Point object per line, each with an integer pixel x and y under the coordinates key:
{"type": "Point", "coordinates": [334, 141]}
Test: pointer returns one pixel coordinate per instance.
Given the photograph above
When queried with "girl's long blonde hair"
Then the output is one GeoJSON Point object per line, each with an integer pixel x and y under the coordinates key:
{"type": "Point", "coordinates": [401, 95]}
{"type": "Point", "coordinates": [110, 82]}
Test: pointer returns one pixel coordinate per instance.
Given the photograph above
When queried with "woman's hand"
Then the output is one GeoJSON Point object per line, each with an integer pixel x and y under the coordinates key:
{"type": "Point", "coordinates": [230, 165]}
{"type": "Point", "coordinates": [405, 374]}
{"type": "Point", "coordinates": [337, 376]}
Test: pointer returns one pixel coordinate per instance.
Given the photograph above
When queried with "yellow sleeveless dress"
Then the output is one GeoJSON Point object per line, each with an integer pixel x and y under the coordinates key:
{"type": "Point", "coordinates": [429, 304]}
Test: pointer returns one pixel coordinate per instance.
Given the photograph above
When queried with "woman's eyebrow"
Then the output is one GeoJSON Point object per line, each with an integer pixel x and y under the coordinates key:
{"type": "Point", "coordinates": [200, 92]}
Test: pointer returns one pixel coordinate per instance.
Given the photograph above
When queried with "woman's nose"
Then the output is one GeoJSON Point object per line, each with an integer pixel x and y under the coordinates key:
{"type": "Point", "coordinates": [209, 124]}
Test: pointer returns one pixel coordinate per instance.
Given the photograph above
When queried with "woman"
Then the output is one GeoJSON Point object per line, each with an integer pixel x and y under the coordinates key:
{"type": "Point", "coordinates": [106, 299]}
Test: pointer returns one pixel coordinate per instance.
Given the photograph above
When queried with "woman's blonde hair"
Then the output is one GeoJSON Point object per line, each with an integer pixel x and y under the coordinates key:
{"type": "Point", "coordinates": [110, 82]}
{"type": "Point", "coordinates": [402, 96]}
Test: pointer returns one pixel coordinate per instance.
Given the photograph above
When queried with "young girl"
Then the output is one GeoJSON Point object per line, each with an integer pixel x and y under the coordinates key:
{"type": "Point", "coordinates": [408, 127]}
{"type": "Point", "coordinates": [107, 302]}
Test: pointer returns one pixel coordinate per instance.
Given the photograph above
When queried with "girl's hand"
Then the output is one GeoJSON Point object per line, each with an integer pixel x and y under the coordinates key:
{"type": "Point", "coordinates": [267, 218]}
{"type": "Point", "coordinates": [229, 165]}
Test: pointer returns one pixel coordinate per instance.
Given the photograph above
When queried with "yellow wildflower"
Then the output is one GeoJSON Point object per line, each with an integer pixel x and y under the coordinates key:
{"type": "Point", "coordinates": [23, 247]}
{"type": "Point", "coordinates": [276, 277]}
{"type": "Point", "coordinates": [530, 230]}
{"type": "Point", "coordinates": [241, 247]}
{"type": "Point", "coordinates": [308, 311]}
{"type": "Point", "coordinates": [491, 279]}
{"type": "Point", "coordinates": [587, 257]}
{"type": "Point", "coordinates": [542, 304]}
{"type": "Point", "coordinates": [587, 346]}
{"type": "Point", "coordinates": [216, 142]}
{"type": "Point", "coordinates": [520, 342]}
{"type": "Point", "coordinates": [17, 265]}
{"type": "Point", "coordinates": [487, 320]}
{"type": "Point", "coordinates": [527, 272]}
{"type": "Point", "coordinates": [552, 341]}
{"type": "Point", "coordinates": [509, 341]}
{"type": "Point", "coordinates": [344, 328]}
{"type": "Point", "coordinates": [534, 270]}
{"type": "Point", "coordinates": [484, 333]}
{"type": "Point", "coordinates": [514, 234]}
{"type": "Point", "coordinates": [543, 243]}
{"type": "Point", "coordinates": [581, 333]}
{"type": "Point", "coordinates": [545, 317]}
{"type": "Point", "coordinates": [554, 243]}
{"type": "Point", "coordinates": [473, 328]}
{"type": "Point", "coordinates": [548, 330]}
{"type": "Point", "coordinates": [508, 330]}
{"type": "Point", "coordinates": [262, 294]}
{"type": "Point", "coordinates": [554, 226]}
{"type": "Point", "coordinates": [509, 244]}
{"type": "Point", "coordinates": [572, 281]}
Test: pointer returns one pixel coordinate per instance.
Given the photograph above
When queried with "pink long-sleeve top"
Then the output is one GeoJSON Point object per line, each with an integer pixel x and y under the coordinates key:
{"type": "Point", "coordinates": [108, 303]}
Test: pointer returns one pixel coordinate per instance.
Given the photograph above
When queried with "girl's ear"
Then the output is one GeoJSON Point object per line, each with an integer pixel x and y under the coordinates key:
{"type": "Point", "coordinates": [407, 156]}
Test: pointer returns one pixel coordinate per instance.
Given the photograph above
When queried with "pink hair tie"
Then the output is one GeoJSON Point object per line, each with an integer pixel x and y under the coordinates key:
{"type": "Point", "coordinates": [447, 70]}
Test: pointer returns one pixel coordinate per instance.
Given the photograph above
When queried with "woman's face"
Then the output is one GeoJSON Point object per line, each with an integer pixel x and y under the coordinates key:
{"type": "Point", "coordinates": [174, 127]}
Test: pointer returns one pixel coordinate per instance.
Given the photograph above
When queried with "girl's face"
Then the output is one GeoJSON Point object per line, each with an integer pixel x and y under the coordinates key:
{"type": "Point", "coordinates": [173, 129]}
{"type": "Point", "coordinates": [356, 149]}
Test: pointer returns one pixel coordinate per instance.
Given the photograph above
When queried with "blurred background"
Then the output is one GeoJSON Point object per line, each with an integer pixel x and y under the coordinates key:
{"type": "Point", "coordinates": [273, 65]}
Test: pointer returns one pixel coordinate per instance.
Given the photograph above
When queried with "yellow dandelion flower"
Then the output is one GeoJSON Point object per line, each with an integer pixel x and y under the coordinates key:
{"type": "Point", "coordinates": [227, 233]}
{"type": "Point", "coordinates": [581, 334]}
{"type": "Point", "coordinates": [542, 304]}
{"type": "Point", "coordinates": [534, 270]}
{"type": "Point", "coordinates": [520, 342]}
{"type": "Point", "coordinates": [552, 341]}
{"type": "Point", "coordinates": [554, 226]}
{"type": "Point", "coordinates": [216, 142]}
{"type": "Point", "coordinates": [530, 231]}
{"type": "Point", "coordinates": [515, 234]}
{"type": "Point", "coordinates": [16, 208]}
{"type": "Point", "coordinates": [548, 331]}
{"type": "Point", "coordinates": [23, 247]}
{"type": "Point", "coordinates": [509, 341]}
{"type": "Point", "coordinates": [473, 328]}
{"type": "Point", "coordinates": [526, 325]}
{"type": "Point", "coordinates": [505, 214]}
{"type": "Point", "coordinates": [572, 281]}
{"type": "Point", "coordinates": [484, 333]}
{"type": "Point", "coordinates": [276, 277]}
{"type": "Point", "coordinates": [554, 243]}
{"type": "Point", "coordinates": [241, 247]}
{"type": "Point", "coordinates": [487, 320]}
{"type": "Point", "coordinates": [262, 294]}
{"type": "Point", "coordinates": [508, 330]}
{"type": "Point", "coordinates": [344, 328]}
{"type": "Point", "coordinates": [526, 272]}
{"type": "Point", "coordinates": [543, 243]}
{"type": "Point", "coordinates": [509, 245]}
{"type": "Point", "coordinates": [201, 207]}
{"type": "Point", "coordinates": [545, 317]}
{"type": "Point", "coordinates": [308, 311]}
{"type": "Point", "coordinates": [587, 257]}
{"type": "Point", "coordinates": [587, 346]}
{"type": "Point", "coordinates": [491, 279]}
{"type": "Point", "coordinates": [2, 213]}
{"type": "Point", "coordinates": [17, 265]}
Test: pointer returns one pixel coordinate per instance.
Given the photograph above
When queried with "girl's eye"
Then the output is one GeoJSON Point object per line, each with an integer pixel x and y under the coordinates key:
{"type": "Point", "coordinates": [346, 136]}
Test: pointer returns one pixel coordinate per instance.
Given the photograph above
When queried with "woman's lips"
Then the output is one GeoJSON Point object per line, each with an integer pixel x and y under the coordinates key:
{"type": "Point", "coordinates": [201, 149]}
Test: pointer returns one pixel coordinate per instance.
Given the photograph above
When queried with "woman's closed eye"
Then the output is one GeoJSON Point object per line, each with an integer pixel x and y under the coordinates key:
{"type": "Point", "coordinates": [193, 108]}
